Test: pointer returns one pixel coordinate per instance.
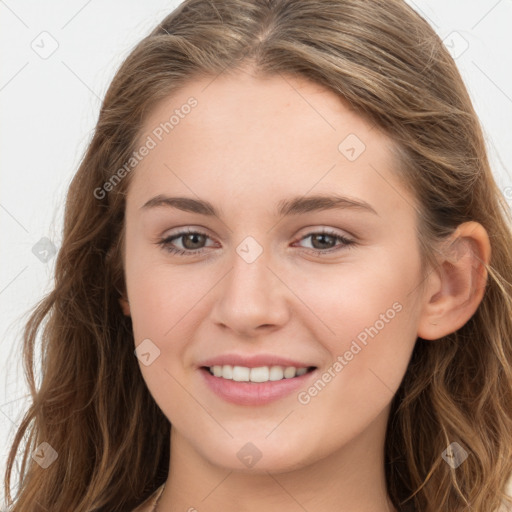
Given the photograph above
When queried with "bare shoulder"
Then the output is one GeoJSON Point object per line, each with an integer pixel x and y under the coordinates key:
{"type": "Point", "coordinates": [149, 504]}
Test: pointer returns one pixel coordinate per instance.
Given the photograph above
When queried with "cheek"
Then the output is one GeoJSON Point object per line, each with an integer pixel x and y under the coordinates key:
{"type": "Point", "coordinates": [161, 308]}
{"type": "Point", "coordinates": [165, 305]}
{"type": "Point", "coordinates": [369, 354]}
{"type": "Point", "coordinates": [159, 294]}
{"type": "Point", "coordinates": [355, 295]}
{"type": "Point", "coordinates": [368, 317]}
{"type": "Point", "coordinates": [152, 304]}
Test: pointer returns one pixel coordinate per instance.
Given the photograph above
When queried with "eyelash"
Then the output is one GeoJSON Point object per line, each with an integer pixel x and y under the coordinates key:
{"type": "Point", "coordinates": [166, 242]}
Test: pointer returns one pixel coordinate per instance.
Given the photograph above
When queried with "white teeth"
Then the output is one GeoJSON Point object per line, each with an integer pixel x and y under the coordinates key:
{"type": "Point", "coordinates": [227, 372]}
{"type": "Point", "coordinates": [289, 372]}
{"type": "Point", "coordinates": [241, 373]}
{"type": "Point", "coordinates": [276, 373]}
{"type": "Point", "coordinates": [259, 374]}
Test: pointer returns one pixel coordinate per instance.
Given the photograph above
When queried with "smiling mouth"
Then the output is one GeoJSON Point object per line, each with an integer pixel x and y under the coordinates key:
{"type": "Point", "coordinates": [257, 375]}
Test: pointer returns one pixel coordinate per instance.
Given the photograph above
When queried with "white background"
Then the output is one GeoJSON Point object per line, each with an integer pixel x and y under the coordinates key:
{"type": "Point", "coordinates": [49, 107]}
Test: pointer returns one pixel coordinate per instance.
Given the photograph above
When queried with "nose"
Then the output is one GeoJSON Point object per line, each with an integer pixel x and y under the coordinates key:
{"type": "Point", "coordinates": [251, 299]}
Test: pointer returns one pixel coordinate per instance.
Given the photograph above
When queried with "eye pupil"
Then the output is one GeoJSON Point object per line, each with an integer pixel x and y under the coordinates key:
{"type": "Point", "coordinates": [322, 237]}
{"type": "Point", "coordinates": [193, 236]}
{"type": "Point", "coordinates": [194, 242]}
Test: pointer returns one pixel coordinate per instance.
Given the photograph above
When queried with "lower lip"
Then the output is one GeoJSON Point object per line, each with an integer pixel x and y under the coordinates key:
{"type": "Point", "coordinates": [253, 393]}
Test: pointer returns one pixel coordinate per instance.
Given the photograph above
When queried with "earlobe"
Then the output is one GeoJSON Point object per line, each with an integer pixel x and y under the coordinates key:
{"type": "Point", "coordinates": [457, 285]}
{"type": "Point", "coordinates": [125, 306]}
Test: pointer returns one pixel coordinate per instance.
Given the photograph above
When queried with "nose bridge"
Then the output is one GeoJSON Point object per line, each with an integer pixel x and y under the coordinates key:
{"type": "Point", "coordinates": [252, 296]}
{"type": "Point", "coordinates": [250, 281]}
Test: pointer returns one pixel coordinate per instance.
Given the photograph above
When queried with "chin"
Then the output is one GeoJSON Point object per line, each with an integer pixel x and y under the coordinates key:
{"type": "Point", "coordinates": [254, 458]}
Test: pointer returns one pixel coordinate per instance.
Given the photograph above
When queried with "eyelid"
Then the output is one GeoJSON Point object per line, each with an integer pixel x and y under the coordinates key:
{"type": "Point", "coordinates": [346, 242]}
{"type": "Point", "coordinates": [307, 231]}
{"type": "Point", "coordinates": [185, 230]}
{"type": "Point", "coordinates": [165, 240]}
{"type": "Point", "coordinates": [315, 229]}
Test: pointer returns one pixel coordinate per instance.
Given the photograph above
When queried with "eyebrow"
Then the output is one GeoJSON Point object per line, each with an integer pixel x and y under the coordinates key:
{"type": "Point", "coordinates": [293, 206]}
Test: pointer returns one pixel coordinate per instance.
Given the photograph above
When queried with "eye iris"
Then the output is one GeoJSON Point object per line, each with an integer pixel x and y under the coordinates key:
{"type": "Point", "coordinates": [322, 237]}
{"type": "Point", "coordinates": [194, 241]}
{"type": "Point", "coordinates": [193, 237]}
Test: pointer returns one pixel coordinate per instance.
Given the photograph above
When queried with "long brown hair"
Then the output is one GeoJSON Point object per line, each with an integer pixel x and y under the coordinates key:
{"type": "Point", "coordinates": [92, 405]}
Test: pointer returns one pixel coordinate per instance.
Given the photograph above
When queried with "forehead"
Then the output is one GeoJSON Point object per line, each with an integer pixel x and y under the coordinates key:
{"type": "Point", "coordinates": [240, 134]}
{"type": "Point", "coordinates": [244, 105]}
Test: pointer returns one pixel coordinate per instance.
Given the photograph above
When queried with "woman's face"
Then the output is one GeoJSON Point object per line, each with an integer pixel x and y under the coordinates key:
{"type": "Point", "coordinates": [256, 284]}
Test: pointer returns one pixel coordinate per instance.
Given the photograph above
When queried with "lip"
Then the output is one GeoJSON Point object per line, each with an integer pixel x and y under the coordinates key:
{"type": "Point", "coordinates": [254, 393]}
{"type": "Point", "coordinates": [254, 361]}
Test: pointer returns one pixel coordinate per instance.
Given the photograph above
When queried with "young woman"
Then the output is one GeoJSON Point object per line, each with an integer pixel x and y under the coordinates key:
{"type": "Point", "coordinates": [284, 282]}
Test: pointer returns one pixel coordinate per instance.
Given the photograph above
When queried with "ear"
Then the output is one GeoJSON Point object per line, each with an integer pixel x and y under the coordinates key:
{"type": "Point", "coordinates": [125, 306]}
{"type": "Point", "coordinates": [456, 286]}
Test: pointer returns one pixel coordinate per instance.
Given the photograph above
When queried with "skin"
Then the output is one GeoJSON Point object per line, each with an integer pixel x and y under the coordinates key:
{"type": "Point", "coordinates": [249, 144]}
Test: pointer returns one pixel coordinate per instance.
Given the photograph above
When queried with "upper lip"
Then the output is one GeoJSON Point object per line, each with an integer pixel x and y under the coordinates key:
{"type": "Point", "coordinates": [253, 361]}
